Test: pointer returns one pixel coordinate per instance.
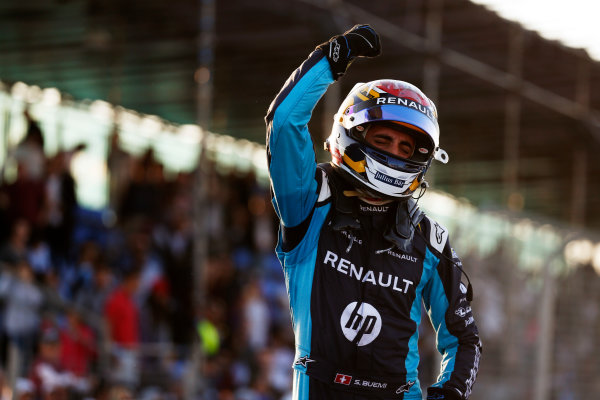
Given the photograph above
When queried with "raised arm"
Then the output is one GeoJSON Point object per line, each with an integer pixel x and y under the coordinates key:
{"type": "Point", "coordinates": [290, 151]}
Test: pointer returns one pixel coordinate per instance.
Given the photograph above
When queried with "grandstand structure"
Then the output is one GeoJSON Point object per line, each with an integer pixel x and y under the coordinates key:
{"type": "Point", "coordinates": [519, 114]}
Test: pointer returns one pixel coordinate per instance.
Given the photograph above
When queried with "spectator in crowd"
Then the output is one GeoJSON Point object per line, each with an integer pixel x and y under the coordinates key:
{"type": "Point", "coordinates": [256, 317]}
{"type": "Point", "coordinates": [156, 314]}
{"type": "Point", "coordinates": [143, 195]}
{"type": "Point", "coordinates": [280, 358]}
{"type": "Point", "coordinates": [30, 150]}
{"type": "Point", "coordinates": [78, 276]}
{"type": "Point", "coordinates": [264, 226]}
{"type": "Point", "coordinates": [24, 197]}
{"type": "Point", "coordinates": [13, 252]}
{"type": "Point", "coordinates": [102, 285]}
{"type": "Point", "coordinates": [119, 164]}
{"type": "Point", "coordinates": [47, 373]}
{"type": "Point", "coordinates": [173, 241]}
{"type": "Point", "coordinates": [15, 249]}
{"type": "Point", "coordinates": [39, 257]}
{"type": "Point", "coordinates": [49, 376]}
{"type": "Point", "coordinates": [141, 256]}
{"type": "Point", "coordinates": [78, 344]}
{"type": "Point", "coordinates": [23, 304]}
{"type": "Point", "coordinates": [215, 214]}
{"type": "Point", "coordinates": [60, 206]}
{"type": "Point", "coordinates": [122, 316]}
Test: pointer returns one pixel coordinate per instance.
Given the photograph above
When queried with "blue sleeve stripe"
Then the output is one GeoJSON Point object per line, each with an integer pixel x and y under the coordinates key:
{"type": "Point", "coordinates": [447, 344]}
{"type": "Point", "coordinates": [299, 284]}
{"type": "Point", "coordinates": [301, 385]}
{"type": "Point", "coordinates": [298, 280]}
{"type": "Point", "coordinates": [412, 359]}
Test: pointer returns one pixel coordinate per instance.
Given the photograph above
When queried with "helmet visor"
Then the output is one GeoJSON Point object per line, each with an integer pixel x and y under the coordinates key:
{"type": "Point", "coordinates": [419, 116]}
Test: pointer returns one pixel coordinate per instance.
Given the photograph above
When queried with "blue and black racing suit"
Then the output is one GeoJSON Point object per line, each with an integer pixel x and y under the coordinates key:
{"type": "Point", "coordinates": [355, 297]}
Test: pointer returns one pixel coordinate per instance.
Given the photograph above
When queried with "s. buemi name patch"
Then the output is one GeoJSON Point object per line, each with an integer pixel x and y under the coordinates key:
{"type": "Point", "coordinates": [389, 180]}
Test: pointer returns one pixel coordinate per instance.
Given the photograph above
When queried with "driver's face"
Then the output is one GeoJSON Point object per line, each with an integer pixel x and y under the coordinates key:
{"type": "Point", "coordinates": [393, 141]}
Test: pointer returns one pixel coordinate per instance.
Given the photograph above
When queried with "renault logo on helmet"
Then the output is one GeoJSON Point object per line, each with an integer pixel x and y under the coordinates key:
{"type": "Point", "coordinates": [407, 103]}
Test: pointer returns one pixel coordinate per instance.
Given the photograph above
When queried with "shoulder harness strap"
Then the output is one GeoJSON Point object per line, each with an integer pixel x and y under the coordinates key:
{"type": "Point", "coordinates": [401, 232]}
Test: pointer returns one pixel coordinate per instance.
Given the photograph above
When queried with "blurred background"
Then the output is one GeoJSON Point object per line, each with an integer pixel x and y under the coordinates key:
{"type": "Point", "coordinates": [128, 272]}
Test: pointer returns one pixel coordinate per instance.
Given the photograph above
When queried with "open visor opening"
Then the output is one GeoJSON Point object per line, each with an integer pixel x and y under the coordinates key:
{"type": "Point", "coordinates": [393, 162]}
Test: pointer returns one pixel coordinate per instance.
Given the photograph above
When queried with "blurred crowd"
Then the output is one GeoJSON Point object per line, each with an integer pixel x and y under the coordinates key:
{"type": "Point", "coordinates": [109, 305]}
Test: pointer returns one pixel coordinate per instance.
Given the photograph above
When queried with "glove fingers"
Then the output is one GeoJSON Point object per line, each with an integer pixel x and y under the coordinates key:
{"type": "Point", "coordinates": [341, 50]}
{"type": "Point", "coordinates": [364, 41]}
{"type": "Point", "coordinates": [373, 48]}
{"type": "Point", "coordinates": [356, 27]}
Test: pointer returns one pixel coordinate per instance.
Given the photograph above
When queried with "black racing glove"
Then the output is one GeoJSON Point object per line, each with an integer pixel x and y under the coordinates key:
{"type": "Point", "coordinates": [435, 393]}
{"type": "Point", "coordinates": [341, 50]}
